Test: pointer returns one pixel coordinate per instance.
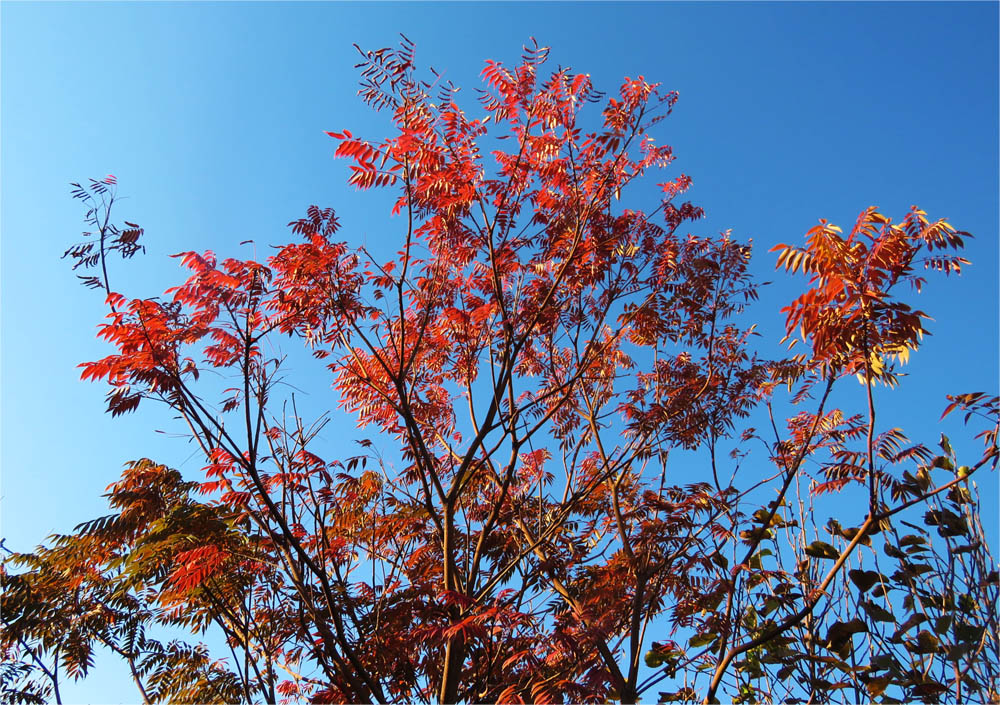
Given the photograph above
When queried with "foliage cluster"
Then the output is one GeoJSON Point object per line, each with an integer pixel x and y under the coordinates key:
{"type": "Point", "coordinates": [528, 368]}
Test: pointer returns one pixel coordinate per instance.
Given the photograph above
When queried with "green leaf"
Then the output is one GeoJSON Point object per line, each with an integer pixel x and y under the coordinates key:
{"type": "Point", "coordinates": [911, 570]}
{"type": "Point", "coordinates": [959, 495]}
{"type": "Point", "coordinates": [702, 639]}
{"type": "Point", "coordinates": [835, 662]}
{"type": "Point", "coordinates": [967, 603]}
{"type": "Point", "coordinates": [913, 620]}
{"type": "Point", "coordinates": [925, 643]}
{"type": "Point", "coordinates": [850, 533]}
{"type": "Point", "coordinates": [654, 659]}
{"type": "Point", "coordinates": [892, 551]}
{"type": "Point", "coordinates": [839, 637]}
{"type": "Point", "coordinates": [968, 632]}
{"type": "Point", "coordinates": [928, 689]}
{"type": "Point", "coordinates": [948, 523]}
{"type": "Point", "coordinates": [877, 686]}
{"type": "Point", "coordinates": [943, 623]}
{"type": "Point", "coordinates": [882, 662]}
{"type": "Point", "coordinates": [965, 549]}
{"type": "Point", "coordinates": [720, 560]}
{"type": "Point", "coordinates": [942, 462]}
{"type": "Point", "coordinates": [759, 533]}
{"type": "Point", "coordinates": [879, 614]}
{"type": "Point", "coordinates": [821, 549]}
{"type": "Point", "coordinates": [864, 579]}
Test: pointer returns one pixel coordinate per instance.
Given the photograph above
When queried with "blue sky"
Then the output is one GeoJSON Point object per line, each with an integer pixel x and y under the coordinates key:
{"type": "Point", "coordinates": [212, 116]}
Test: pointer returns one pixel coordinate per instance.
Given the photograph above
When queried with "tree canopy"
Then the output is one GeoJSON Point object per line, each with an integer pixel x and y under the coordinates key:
{"type": "Point", "coordinates": [524, 373]}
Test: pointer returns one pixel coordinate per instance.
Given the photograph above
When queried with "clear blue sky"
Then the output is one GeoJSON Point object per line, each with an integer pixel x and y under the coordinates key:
{"type": "Point", "coordinates": [212, 117]}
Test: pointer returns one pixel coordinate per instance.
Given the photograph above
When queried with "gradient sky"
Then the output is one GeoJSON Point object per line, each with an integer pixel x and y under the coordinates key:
{"type": "Point", "coordinates": [212, 116]}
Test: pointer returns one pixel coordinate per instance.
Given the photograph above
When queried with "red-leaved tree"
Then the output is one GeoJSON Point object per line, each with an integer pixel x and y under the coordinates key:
{"type": "Point", "coordinates": [525, 369]}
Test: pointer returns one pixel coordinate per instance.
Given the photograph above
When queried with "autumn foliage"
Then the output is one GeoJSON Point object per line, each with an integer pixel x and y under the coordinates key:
{"type": "Point", "coordinates": [524, 373]}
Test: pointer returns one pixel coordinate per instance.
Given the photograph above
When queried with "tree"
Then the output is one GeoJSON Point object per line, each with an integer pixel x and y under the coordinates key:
{"type": "Point", "coordinates": [514, 527]}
